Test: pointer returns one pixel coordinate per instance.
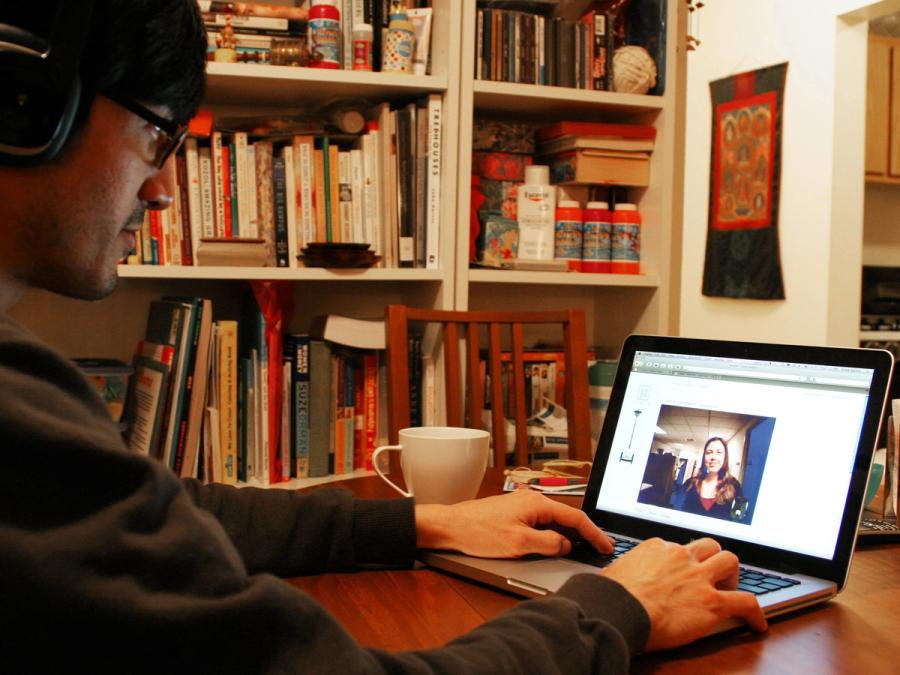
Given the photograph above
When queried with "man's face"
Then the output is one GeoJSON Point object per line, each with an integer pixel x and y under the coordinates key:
{"type": "Point", "coordinates": [86, 208]}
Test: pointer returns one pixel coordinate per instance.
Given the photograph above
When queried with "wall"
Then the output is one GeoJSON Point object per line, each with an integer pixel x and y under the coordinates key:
{"type": "Point", "coordinates": [820, 218]}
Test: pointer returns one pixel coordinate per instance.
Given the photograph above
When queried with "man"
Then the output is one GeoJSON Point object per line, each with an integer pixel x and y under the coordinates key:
{"type": "Point", "coordinates": [110, 563]}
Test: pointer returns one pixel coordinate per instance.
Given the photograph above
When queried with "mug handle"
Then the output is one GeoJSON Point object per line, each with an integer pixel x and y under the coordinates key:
{"type": "Point", "coordinates": [383, 476]}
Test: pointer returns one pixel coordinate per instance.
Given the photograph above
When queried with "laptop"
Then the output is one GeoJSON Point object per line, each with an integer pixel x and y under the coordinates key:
{"type": "Point", "coordinates": [799, 425]}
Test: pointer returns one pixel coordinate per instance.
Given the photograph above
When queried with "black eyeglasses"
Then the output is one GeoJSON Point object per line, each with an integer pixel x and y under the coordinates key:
{"type": "Point", "coordinates": [171, 135]}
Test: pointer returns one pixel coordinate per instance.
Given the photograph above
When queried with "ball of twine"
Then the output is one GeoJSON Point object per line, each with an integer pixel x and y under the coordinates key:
{"type": "Point", "coordinates": [634, 71]}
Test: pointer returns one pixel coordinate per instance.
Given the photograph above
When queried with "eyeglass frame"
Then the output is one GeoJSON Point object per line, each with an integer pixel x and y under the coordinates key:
{"type": "Point", "coordinates": [171, 136]}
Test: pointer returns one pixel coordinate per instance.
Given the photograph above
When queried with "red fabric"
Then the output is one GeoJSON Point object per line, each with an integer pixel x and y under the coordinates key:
{"type": "Point", "coordinates": [275, 301]}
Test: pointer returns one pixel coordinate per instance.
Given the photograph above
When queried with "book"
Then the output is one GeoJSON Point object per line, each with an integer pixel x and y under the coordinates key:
{"type": "Point", "coordinates": [357, 196]}
{"type": "Point", "coordinates": [319, 412]}
{"type": "Point", "coordinates": [318, 200]}
{"type": "Point", "coordinates": [370, 404]}
{"type": "Point", "coordinates": [169, 323]}
{"type": "Point", "coordinates": [242, 182]}
{"type": "Point", "coordinates": [234, 252]}
{"type": "Point", "coordinates": [372, 189]}
{"type": "Point", "coordinates": [254, 9]}
{"type": "Point", "coordinates": [406, 181]}
{"type": "Point", "coordinates": [290, 204]}
{"type": "Point", "coordinates": [345, 196]}
{"type": "Point", "coordinates": [297, 347]}
{"type": "Point", "coordinates": [596, 129]}
{"type": "Point", "coordinates": [188, 246]}
{"type": "Point", "coordinates": [218, 183]}
{"type": "Point", "coordinates": [200, 381]}
{"type": "Point", "coordinates": [304, 173]}
{"type": "Point", "coordinates": [179, 415]}
{"type": "Point", "coordinates": [227, 368]}
{"type": "Point", "coordinates": [207, 198]}
{"type": "Point", "coordinates": [265, 198]}
{"type": "Point", "coordinates": [574, 142]}
{"type": "Point", "coordinates": [279, 189]}
{"type": "Point", "coordinates": [333, 194]}
{"type": "Point", "coordinates": [147, 403]}
{"type": "Point", "coordinates": [253, 207]}
{"type": "Point", "coordinates": [350, 332]}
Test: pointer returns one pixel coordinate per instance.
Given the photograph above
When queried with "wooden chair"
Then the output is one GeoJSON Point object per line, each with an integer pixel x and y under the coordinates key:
{"type": "Point", "coordinates": [460, 324]}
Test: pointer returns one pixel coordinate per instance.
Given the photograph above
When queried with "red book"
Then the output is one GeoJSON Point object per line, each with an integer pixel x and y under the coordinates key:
{"type": "Point", "coordinates": [570, 128]}
{"type": "Point", "coordinates": [359, 414]}
{"type": "Point", "coordinates": [187, 248]}
{"type": "Point", "coordinates": [157, 237]}
{"type": "Point", "coordinates": [226, 187]}
{"type": "Point", "coordinates": [370, 402]}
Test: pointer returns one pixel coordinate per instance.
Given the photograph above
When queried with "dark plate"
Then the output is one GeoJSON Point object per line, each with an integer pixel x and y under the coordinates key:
{"type": "Point", "coordinates": [332, 246]}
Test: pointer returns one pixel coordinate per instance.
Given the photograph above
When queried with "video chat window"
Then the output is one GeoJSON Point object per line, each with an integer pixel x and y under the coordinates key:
{"type": "Point", "coordinates": [707, 462]}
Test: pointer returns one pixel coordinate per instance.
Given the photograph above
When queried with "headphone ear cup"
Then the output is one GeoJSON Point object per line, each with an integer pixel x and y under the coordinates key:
{"type": "Point", "coordinates": [36, 109]}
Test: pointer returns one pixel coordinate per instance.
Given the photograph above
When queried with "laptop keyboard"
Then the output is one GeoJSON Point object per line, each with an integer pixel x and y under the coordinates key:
{"type": "Point", "coordinates": [753, 581]}
{"type": "Point", "coordinates": [585, 553]}
{"type": "Point", "coordinates": [757, 582]}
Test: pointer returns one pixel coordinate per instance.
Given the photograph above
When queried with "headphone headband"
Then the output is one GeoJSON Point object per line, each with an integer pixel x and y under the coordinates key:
{"type": "Point", "coordinates": [40, 85]}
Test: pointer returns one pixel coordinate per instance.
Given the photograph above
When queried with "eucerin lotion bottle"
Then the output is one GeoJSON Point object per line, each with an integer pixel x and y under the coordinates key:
{"type": "Point", "coordinates": [536, 206]}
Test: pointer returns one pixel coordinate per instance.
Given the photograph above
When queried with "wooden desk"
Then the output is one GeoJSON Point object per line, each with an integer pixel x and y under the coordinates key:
{"type": "Point", "coordinates": [859, 631]}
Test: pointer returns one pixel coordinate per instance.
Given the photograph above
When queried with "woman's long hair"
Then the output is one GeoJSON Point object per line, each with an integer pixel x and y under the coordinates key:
{"type": "Point", "coordinates": [725, 486]}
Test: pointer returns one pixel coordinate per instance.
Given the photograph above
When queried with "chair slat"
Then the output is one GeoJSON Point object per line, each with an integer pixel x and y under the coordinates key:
{"type": "Point", "coordinates": [476, 392]}
{"type": "Point", "coordinates": [497, 418]}
{"type": "Point", "coordinates": [518, 384]}
{"type": "Point", "coordinates": [451, 373]}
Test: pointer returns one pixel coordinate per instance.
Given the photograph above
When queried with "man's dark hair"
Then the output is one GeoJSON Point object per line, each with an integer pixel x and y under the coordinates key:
{"type": "Point", "coordinates": [152, 51]}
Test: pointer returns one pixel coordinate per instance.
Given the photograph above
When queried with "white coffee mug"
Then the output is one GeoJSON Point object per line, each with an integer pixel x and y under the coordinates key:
{"type": "Point", "coordinates": [441, 465]}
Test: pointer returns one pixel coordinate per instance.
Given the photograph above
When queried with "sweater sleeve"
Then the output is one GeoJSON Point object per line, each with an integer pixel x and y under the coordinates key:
{"type": "Point", "coordinates": [107, 562]}
{"type": "Point", "coordinates": [290, 533]}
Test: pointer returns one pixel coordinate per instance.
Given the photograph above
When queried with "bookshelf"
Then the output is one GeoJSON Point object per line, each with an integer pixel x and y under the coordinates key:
{"type": "Point", "coordinates": [615, 304]}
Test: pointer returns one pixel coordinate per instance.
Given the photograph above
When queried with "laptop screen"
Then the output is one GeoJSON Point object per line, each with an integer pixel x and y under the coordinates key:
{"type": "Point", "coordinates": [753, 450]}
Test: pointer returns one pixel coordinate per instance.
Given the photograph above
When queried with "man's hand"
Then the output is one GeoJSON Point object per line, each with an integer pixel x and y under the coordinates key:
{"type": "Point", "coordinates": [686, 590]}
{"type": "Point", "coordinates": [506, 526]}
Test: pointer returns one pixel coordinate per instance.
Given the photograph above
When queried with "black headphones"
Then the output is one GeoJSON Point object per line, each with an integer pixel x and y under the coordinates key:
{"type": "Point", "coordinates": [40, 86]}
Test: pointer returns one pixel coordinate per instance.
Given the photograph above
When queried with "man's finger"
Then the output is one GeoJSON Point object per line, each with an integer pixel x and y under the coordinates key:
{"type": "Point", "coordinates": [577, 520]}
{"type": "Point", "coordinates": [745, 606]}
{"type": "Point", "coordinates": [546, 542]}
{"type": "Point", "coordinates": [724, 570]}
{"type": "Point", "coordinates": [703, 548]}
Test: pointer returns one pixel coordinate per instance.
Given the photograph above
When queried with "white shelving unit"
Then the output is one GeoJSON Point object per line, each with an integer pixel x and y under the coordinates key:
{"type": "Point", "coordinates": [113, 326]}
{"type": "Point", "coordinates": [616, 304]}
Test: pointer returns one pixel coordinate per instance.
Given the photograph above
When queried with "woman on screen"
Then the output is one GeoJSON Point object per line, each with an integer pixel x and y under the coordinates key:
{"type": "Point", "coordinates": [712, 490]}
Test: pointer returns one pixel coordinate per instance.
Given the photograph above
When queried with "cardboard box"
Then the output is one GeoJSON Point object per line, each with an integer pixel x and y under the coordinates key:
{"type": "Point", "coordinates": [590, 166]}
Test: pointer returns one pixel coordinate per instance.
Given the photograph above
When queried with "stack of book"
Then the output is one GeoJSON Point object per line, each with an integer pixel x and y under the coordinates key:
{"type": "Point", "coordinates": [535, 47]}
{"type": "Point", "coordinates": [597, 153]}
{"type": "Point", "coordinates": [380, 188]}
{"type": "Point", "coordinates": [240, 401]}
{"type": "Point", "coordinates": [245, 32]}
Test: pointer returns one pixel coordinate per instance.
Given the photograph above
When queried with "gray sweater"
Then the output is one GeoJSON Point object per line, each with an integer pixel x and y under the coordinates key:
{"type": "Point", "coordinates": [109, 563]}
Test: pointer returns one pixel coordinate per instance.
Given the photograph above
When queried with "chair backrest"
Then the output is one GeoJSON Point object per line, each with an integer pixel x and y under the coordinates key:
{"type": "Point", "coordinates": [459, 325]}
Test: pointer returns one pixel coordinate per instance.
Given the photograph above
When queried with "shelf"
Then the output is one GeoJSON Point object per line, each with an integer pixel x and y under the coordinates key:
{"type": "Point", "coordinates": [274, 273]}
{"type": "Point", "coordinates": [563, 278]}
{"type": "Point", "coordinates": [879, 335]}
{"type": "Point", "coordinates": [264, 85]}
{"type": "Point", "coordinates": [558, 102]}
